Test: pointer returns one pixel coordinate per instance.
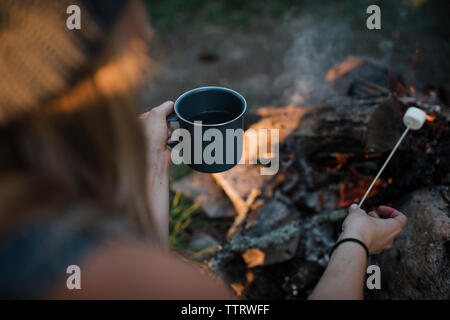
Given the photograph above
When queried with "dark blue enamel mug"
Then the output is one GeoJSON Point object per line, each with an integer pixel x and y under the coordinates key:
{"type": "Point", "coordinates": [213, 119]}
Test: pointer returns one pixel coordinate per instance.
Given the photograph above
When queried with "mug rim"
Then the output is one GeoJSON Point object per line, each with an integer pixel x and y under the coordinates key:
{"type": "Point", "coordinates": [199, 89]}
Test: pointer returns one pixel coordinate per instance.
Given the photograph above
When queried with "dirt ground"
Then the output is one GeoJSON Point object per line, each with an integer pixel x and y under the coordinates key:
{"type": "Point", "coordinates": [284, 61]}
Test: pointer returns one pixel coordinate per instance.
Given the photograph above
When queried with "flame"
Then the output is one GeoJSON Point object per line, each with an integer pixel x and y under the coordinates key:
{"type": "Point", "coordinates": [341, 160]}
{"type": "Point", "coordinates": [399, 90]}
{"type": "Point", "coordinates": [352, 191]}
{"type": "Point", "coordinates": [371, 155]}
{"type": "Point", "coordinates": [250, 277]}
{"type": "Point", "coordinates": [343, 68]}
{"type": "Point", "coordinates": [412, 89]}
{"type": "Point", "coordinates": [355, 185]}
{"type": "Point", "coordinates": [430, 117]}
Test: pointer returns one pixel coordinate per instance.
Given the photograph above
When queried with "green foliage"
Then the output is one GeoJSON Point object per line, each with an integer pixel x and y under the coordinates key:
{"type": "Point", "coordinates": [195, 14]}
{"type": "Point", "coordinates": [178, 171]}
{"type": "Point", "coordinates": [182, 210]}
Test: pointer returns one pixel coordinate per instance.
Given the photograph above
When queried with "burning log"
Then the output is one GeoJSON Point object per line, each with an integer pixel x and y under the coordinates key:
{"type": "Point", "coordinates": [362, 78]}
{"type": "Point", "coordinates": [347, 126]}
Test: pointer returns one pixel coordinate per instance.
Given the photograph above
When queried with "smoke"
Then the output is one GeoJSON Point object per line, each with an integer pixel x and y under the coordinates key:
{"type": "Point", "coordinates": [320, 39]}
{"type": "Point", "coordinates": [317, 46]}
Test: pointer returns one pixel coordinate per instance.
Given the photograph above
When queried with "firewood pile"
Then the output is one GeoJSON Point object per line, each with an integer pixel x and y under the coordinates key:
{"type": "Point", "coordinates": [284, 225]}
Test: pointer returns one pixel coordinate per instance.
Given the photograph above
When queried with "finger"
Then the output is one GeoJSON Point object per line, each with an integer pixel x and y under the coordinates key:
{"type": "Point", "coordinates": [373, 214]}
{"type": "Point", "coordinates": [143, 115]}
{"type": "Point", "coordinates": [173, 139]}
{"type": "Point", "coordinates": [170, 126]}
{"type": "Point", "coordinates": [166, 108]}
{"type": "Point", "coordinates": [169, 132]}
{"type": "Point", "coordinates": [170, 140]}
{"type": "Point", "coordinates": [389, 212]}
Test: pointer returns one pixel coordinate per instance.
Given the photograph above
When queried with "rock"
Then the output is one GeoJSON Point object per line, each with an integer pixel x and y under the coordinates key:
{"type": "Point", "coordinates": [300, 285]}
{"type": "Point", "coordinates": [276, 214]}
{"type": "Point", "coordinates": [202, 241]}
{"type": "Point", "coordinates": [417, 267]}
{"type": "Point", "coordinates": [202, 189]}
{"type": "Point", "coordinates": [318, 242]}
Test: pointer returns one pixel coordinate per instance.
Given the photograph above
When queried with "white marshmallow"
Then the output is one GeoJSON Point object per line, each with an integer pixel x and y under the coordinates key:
{"type": "Point", "coordinates": [414, 118]}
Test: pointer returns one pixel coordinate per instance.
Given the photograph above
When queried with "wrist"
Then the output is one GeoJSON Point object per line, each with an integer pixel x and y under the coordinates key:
{"type": "Point", "coordinates": [158, 172]}
{"type": "Point", "coordinates": [356, 235]}
{"type": "Point", "coordinates": [159, 160]}
{"type": "Point", "coordinates": [350, 240]}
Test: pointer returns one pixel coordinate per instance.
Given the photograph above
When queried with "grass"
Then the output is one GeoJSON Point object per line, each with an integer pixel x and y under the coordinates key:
{"type": "Point", "coordinates": [190, 15]}
{"type": "Point", "coordinates": [185, 216]}
{"type": "Point", "coordinates": [194, 15]}
{"type": "Point", "coordinates": [182, 210]}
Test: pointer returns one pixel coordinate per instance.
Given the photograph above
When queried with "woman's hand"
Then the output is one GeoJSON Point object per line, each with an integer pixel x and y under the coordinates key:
{"type": "Point", "coordinates": [157, 132]}
{"type": "Point", "coordinates": [344, 275]}
{"type": "Point", "coordinates": [378, 234]}
{"type": "Point", "coordinates": [158, 156]}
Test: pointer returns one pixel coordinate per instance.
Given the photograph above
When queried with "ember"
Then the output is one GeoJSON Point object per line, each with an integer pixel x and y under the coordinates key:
{"type": "Point", "coordinates": [353, 191]}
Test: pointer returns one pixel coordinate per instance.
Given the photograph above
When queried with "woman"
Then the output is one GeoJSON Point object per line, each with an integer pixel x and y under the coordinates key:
{"type": "Point", "coordinates": [84, 182]}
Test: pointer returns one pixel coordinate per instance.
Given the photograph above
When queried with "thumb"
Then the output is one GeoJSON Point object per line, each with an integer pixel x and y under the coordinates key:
{"type": "Point", "coordinates": [166, 108]}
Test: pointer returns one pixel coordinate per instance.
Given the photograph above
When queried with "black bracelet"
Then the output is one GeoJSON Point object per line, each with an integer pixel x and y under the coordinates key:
{"type": "Point", "coordinates": [352, 240]}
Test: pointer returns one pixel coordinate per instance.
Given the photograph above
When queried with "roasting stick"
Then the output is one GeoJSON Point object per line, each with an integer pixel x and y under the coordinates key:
{"type": "Point", "coordinates": [414, 119]}
{"type": "Point", "coordinates": [382, 168]}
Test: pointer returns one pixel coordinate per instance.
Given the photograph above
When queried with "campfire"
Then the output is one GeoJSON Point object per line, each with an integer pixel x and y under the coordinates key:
{"type": "Point", "coordinates": [284, 225]}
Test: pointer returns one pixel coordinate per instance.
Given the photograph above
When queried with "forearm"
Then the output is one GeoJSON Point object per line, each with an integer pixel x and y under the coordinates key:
{"type": "Point", "coordinates": [158, 197]}
{"type": "Point", "coordinates": [344, 275]}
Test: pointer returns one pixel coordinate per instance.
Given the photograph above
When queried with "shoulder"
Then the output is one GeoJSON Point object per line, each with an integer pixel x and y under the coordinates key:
{"type": "Point", "coordinates": [130, 270]}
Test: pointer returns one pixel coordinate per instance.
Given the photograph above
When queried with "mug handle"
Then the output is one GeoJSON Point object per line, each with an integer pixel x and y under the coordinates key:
{"type": "Point", "coordinates": [172, 118]}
